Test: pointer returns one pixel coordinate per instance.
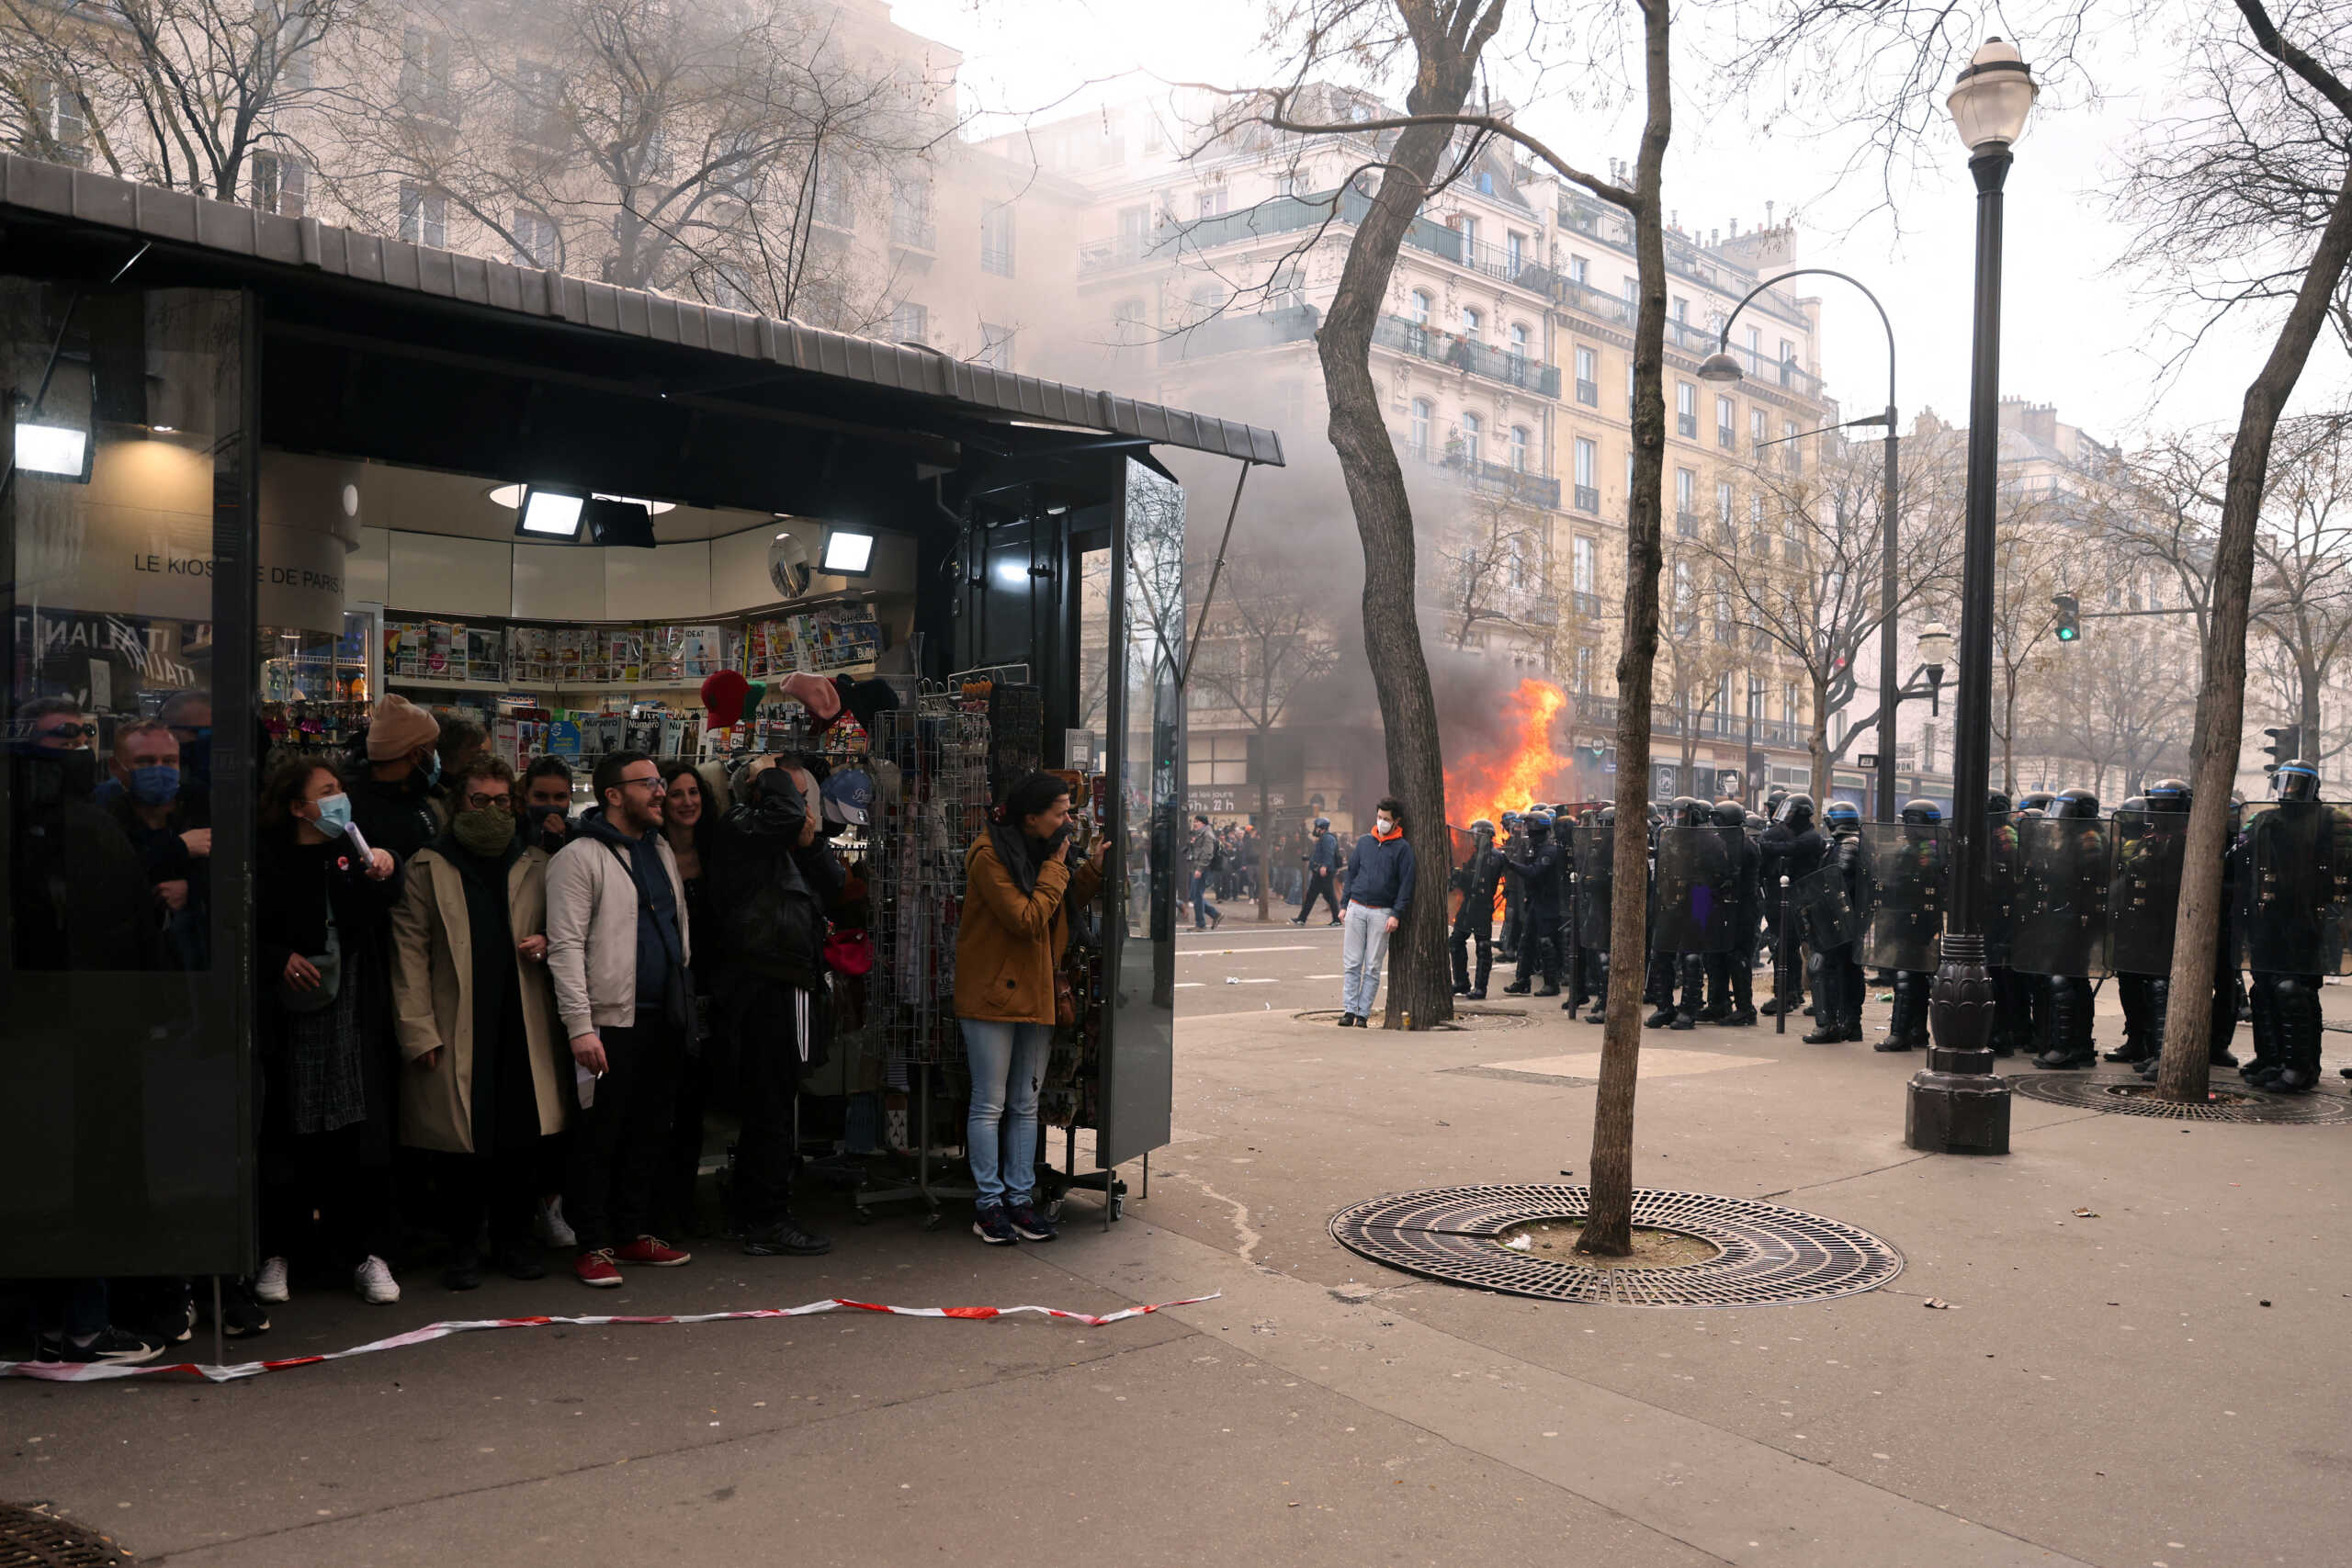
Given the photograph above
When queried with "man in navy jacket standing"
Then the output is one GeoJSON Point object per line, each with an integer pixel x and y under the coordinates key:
{"type": "Point", "coordinates": [1380, 890]}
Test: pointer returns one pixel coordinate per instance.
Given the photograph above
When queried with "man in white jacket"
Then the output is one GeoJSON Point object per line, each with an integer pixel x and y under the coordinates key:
{"type": "Point", "coordinates": [617, 949]}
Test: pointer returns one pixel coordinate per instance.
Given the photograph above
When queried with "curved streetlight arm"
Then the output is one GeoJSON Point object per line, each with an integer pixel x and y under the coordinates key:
{"type": "Point", "coordinates": [1723, 343]}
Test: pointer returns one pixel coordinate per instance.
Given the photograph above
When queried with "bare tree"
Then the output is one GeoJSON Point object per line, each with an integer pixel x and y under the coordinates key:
{"type": "Point", "coordinates": [2302, 598]}
{"type": "Point", "coordinates": [1700, 638]}
{"type": "Point", "coordinates": [180, 94]}
{"type": "Point", "coordinates": [1265, 641]}
{"type": "Point", "coordinates": [1812, 593]}
{"type": "Point", "coordinates": [2035, 559]}
{"type": "Point", "coordinates": [1493, 563]}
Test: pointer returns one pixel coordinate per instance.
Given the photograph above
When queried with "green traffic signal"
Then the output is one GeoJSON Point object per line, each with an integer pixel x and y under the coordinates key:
{"type": "Point", "coordinates": [2070, 609]}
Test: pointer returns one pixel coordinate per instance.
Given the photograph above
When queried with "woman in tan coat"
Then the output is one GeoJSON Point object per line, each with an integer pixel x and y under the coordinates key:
{"type": "Point", "coordinates": [483, 1083]}
{"type": "Point", "coordinates": [1021, 879]}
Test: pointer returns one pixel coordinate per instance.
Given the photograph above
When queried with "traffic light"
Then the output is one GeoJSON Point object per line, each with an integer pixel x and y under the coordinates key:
{"type": "Point", "coordinates": [2070, 612]}
{"type": "Point", "coordinates": [2286, 745]}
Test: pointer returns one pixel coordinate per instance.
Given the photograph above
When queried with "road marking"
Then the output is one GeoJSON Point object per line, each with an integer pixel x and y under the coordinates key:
{"type": "Point", "coordinates": [1219, 952]}
{"type": "Point", "coordinates": [1188, 985]}
{"type": "Point", "coordinates": [1326, 976]}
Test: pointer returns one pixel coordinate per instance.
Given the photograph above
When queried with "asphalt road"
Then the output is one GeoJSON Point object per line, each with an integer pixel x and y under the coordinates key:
{"type": "Point", "coordinates": [1247, 967]}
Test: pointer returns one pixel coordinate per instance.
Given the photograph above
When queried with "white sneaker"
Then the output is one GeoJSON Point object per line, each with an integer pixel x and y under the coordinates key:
{"type": "Point", "coordinates": [269, 1285]}
{"type": "Point", "coordinates": [553, 1231]}
{"type": "Point", "coordinates": [373, 1281]}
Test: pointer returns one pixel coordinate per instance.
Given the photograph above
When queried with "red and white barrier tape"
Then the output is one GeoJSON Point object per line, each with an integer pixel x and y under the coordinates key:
{"type": "Point", "coordinates": [87, 1371]}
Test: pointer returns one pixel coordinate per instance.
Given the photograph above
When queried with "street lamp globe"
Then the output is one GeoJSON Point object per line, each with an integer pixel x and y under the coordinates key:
{"type": "Point", "coordinates": [1934, 651]}
{"type": "Point", "coordinates": [1991, 97]}
{"type": "Point", "coordinates": [1719, 367]}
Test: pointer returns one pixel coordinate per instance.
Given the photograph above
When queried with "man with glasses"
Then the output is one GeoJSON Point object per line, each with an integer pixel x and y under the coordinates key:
{"type": "Point", "coordinates": [57, 723]}
{"type": "Point", "coordinates": [617, 949]}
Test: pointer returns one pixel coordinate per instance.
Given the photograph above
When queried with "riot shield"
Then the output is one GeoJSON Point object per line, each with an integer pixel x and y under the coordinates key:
{"type": "Point", "coordinates": [1905, 864]}
{"type": "Point", "coordinates": [1825, 915]}
{"type": "Point", "coordinates": [1698, 897]}
{"type": "Point", "coordinates": [2144, 896]}
{"type": "Point", "coordinates": [2295, 879]}
{"type": "Point", "coordinates": [2063, 869]}
{"type": "Point", "coordinates": [1596, 849]}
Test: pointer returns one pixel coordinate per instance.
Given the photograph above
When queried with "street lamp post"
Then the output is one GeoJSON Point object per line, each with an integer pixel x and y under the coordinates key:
{"type": "Point", "coordinates": [1721, 365]}
{"type": "Point", "coordinates": [1958, 1104]}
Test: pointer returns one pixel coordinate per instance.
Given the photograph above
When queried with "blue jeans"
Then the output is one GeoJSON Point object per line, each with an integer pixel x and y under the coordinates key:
{"type": "Point", "coordinates": [1008, 1064]}
{"type": "Point", "coordinates": [1363, 947]}
{"type": "Point", "coordinates": [1202, 908]}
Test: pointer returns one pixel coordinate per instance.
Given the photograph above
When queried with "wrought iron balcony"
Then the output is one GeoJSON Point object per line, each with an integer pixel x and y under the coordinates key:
{"type": "Point", "coordinates": [1462, 354]}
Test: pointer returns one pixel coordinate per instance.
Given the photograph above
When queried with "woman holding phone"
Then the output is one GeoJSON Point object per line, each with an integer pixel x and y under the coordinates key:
{"type": "Point", "coordinates": [1022, 877]}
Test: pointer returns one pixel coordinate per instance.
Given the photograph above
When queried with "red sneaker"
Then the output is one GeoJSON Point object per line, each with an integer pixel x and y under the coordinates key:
{"type": "Point", "coordinates": [596, 1268]}
{"type": "Point", "coordinates": [652, 1252]}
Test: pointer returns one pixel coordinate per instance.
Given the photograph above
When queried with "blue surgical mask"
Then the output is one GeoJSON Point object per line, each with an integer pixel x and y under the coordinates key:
{"type": "Point", "coordinates": [334, 815]}
{"type": "Point", "coordinates": [432, 769]}
{"type": "Point", "coordinates": [157, 786]}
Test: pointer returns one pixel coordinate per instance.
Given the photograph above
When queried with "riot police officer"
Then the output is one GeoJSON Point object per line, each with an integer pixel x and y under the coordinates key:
{"type": "Point", "coordinates": [1907, 1025]}
{"type": "Point", "coordinates": [1791, 849]}
{"type": "Point", "coordinates": [1596, 889]}
{"type": "Point", "coordinates": [1535, 867]}
{"type": "Point", "coordinates": [1474, 879]}
{"type": "Point", "coordinates": [2012, 1014]}
{"type": "Point", "coordinates": [2169, 803]}
{"type": "Point", "coordinates": [1837, 989]}
{"type": "Point", "coordinates": [2141, 841]}
{"type": "Point", "coordinates": [1679, 968]}
{"type": "Point", "coordinates": [1731, 977]}
{"type": "Point", "coordinates": [2068, 1041]}
{"type": "Point", "coordinates": [1507, 943]}
{"type": "Point", "coordinates": [2294, 863]}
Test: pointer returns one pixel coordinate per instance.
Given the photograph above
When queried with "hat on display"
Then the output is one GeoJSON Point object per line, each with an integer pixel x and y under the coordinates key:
{"type": "Point", "coordinates": [816, 693]}
{"type": "Point", "coordinates": [868, 699]}
{"type": "Point", "coordinates": [849, 798]}
{"type": "Point", "coordinates": [399, 728]}
{"type": "Point", "coordinates": [722, 694]}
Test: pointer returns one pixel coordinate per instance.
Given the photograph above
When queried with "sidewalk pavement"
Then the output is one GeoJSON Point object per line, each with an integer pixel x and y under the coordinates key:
{"type": "Point", "coordinates": [2158, 1381]}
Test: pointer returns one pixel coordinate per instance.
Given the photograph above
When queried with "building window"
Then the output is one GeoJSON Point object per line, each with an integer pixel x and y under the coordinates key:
{"type": "Point", "coordinates": [1723, 502]}
{"type": "Point", "coordinates": [730, 288]}
{"type": "Point", "coordinates": [1424, 414]}
{"type": "Point", "coordinates": [1726, 423]}
{"type": "Point", "coordinates": [1518, 342]}
{"type": "Point", "coordinates": [1473, 433]}
{"type": "Point", "coordinates": [1796, 452]}
{"type": "Point", "coordinates": [1514, 253]}
{"type": "Point", "coordinates": [1686, 490]}
{"type": "Point", "coordinates": [910, 216]}
{"type": "Point", "coordinates": [1127, 324]}
{"type": "Point", "coordinates": [1756, 513]}
{"type": "Point", "coordinates": [1470, 234]}
{"type": "Point", "coordinates": [1583, 564]}
{"type": "Point", "coordinates": [425, 215]}
{"type": "Point", "coordinates": [281, 185]}
{"type": "Point", "coordinates": [1417, 307]}
{"type": "Point", "coordinates": [1629, 385]}
{"type": "Point", "coordinates": [1518, 448]}
{"type": "Point", "coordinates": [1686, 410]}
{"type": "Point", "coordinates": [535, 241]}
{"type": "Point", "coordinates": [424, 71]}
{"type": "Point", "coordinates": [538, 89]}
{"type": "Point", "coordinates": [1789, 710]}
{"type": "Point", "coordinates": [1588, 483]}
{"type": "Point", "coordinates": [1584, 671]}
{"type": "Point", "coordinates": [1209, 203]}
{"type": "Point", "coordinates": [909, 323]}
{"type": "Point", "coordinates": [62, 125]}
{"type": "Point", "coordinates": [996, 239]}
{"type": "Point", "coordinates": [1760, 427]}
{"type": "Point", "coordinates": [1580, 271]}
{"type": "Point", "coordinates": [1681, 309]}
{"type": "Point", "coordinates": [835, 204]}
{"type": "Point", "coordinates": [1633, 291]}
{"type": "Point", "coordinates": [1217, 760]}
{"type": "Point", "coordinates": [1587, 378]}
{"type": "Point", "coordinates": [1755, 346]}
{"type": "Point", "coordinates": [1473, 323]}
{"type": "Point", "coordinates": [1520, 565]}
{"type": "Point", "coordinates": [996, 347]}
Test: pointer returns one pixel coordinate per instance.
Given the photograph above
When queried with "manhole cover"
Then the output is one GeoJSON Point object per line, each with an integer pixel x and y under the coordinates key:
{"type": "Point", "coordinates": [31, 1539]}
{"type": "Point", "coordinates": [2135, 1096]}
{"type": "Point", "coordinates": [1766, 1255]}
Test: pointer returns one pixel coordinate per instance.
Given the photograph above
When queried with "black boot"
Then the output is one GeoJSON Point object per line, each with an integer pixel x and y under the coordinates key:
{"type": "Point", "coordinates": [1898, 1018]}
{"type": "Point", "coordinates": [1661, 1018]}
{"type": "Point", "coordinates": [2070, 1028]}
{"type": "Point", "coordinates": [2299, 1033]}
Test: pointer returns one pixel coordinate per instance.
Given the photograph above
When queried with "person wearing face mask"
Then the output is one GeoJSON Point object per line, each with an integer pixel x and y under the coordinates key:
{"type": "Point", "coordinates": [170, 829]}
{"type": "Point", "coordinates": [188, 715]}
{"type": "Point", "coordinates": [393, 799]}
{"type": "Point", "coordinates": [772, 877]}
{"type": "Point", "coordinates": [1380, 890]}
{"type": "Point", "coordinates": [547, 803]}
{"type": "Point", "coordinates": [689, 824]}
{"type": "Point", "coordinates": [323, 1029]}
{"type": "Point", "coordinates": [485, 1080]}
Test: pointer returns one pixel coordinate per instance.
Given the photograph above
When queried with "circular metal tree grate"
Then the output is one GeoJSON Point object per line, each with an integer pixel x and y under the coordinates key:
{"type": "Point", "coordinates": [1473, 1019]}
{"type": "Point", "coordinates": [31, 1539]}
{"type": "Point", "coordinates": [1768, 1254]}
{"type": "Point", "coordinates": [2135, 1096]}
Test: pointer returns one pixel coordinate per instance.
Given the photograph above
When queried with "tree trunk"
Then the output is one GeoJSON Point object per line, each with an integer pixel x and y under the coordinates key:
{"type": "Point", "coordinates": [1820, 746]}
{"type": "Point", "coordinates": [2184, 1073]}
{"type": "Point", "coordinates": [2009, 738]}
{"type": "Point", "coordinates": [1420, 993]}
{"type": "Point", "coordinates": [1609, 1216]}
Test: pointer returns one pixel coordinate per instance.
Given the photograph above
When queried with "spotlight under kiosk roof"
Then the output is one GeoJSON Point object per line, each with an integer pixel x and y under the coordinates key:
{"type": "Point", "coordinates": [60, 451]}
{"type": "Point", "coordinates": [548, 514]}
{"type": "Point", "coordinates": [849, 552]}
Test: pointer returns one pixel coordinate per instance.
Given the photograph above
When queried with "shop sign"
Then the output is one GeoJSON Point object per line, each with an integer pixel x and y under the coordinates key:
{"type": "Point", "coordinates": [159, 565]}
{"type": "Point", "coordinates": [1220, 800]}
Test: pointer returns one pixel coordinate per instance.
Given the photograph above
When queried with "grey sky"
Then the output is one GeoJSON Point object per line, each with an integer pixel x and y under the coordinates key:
{"type": "Point", "coordinates": [2076, 333]}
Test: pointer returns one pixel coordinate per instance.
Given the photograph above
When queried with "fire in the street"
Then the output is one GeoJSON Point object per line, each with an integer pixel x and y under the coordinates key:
{"type": "Point", "coordinates": [1519, 771]}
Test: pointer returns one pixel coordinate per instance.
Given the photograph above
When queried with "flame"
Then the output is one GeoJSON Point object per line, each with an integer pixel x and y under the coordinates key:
{"type": "Point", "coordinates": [1521, 771]}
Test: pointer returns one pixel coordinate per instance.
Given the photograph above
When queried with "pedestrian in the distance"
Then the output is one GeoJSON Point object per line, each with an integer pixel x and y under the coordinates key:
{"type": "Point", "coordinates": [1202, 855]}
{"type": "Point", "coordinates": [1322, 858]}
{"type": "Point", "coordinates": [1380, 891]}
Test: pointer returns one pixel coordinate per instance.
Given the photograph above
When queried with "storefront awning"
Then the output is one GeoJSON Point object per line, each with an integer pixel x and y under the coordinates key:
{"type": "Point", "coordinates": [28, 186]}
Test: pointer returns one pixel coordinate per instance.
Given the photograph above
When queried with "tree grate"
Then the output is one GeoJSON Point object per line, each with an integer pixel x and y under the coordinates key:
{"type": "Point", "coordinates": [1770, 1256]}
{"type": "Point", "coordinates": [2135, 1096]}
{"type": "Point", "coordinates": [32, 1538]}
{"type": "Point", "coordinates": [1462, 1020]}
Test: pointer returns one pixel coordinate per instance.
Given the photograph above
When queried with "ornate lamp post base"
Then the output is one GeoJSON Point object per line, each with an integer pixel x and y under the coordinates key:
{"type": "Point", "coordinates": [1959, 1105]}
